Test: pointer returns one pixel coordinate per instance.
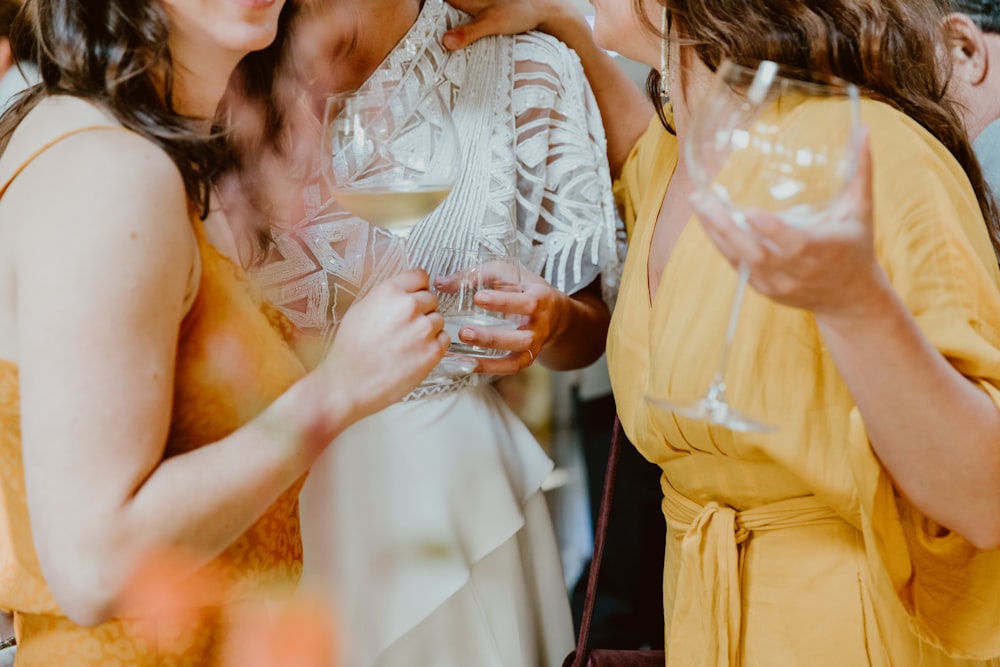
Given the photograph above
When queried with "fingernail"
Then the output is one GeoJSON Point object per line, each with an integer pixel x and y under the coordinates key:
{"type": "Point", "coordinates": [450, 40]}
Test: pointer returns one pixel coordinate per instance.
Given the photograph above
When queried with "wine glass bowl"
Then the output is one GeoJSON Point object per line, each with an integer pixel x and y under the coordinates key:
{"type": "Point", "coordinates": [390, 158]}
{"type": "Point", "coordinates": [756, 120]}
{"type": "Point", "coordinates": [753, 143]}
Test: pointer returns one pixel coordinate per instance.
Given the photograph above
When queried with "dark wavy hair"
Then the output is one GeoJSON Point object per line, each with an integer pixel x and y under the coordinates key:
{"type": "Point", "coordinates": [114, 53]}
{"type": "Point", "coordinates": [889, 48]}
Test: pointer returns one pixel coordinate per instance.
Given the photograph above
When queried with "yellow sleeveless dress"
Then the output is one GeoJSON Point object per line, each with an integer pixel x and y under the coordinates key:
{"type": "Point", "coordinates": [214, 394]}
{"type": "Point", "coordinates": [792, 548]}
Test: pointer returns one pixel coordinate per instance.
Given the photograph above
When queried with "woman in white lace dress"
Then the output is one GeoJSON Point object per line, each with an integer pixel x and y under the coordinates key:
{"type": "Point", "coordinates": [426, 523]}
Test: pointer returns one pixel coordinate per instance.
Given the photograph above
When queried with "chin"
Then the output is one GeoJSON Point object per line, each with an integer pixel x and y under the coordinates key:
{"type": "Point", "coordinates": [249, 39]}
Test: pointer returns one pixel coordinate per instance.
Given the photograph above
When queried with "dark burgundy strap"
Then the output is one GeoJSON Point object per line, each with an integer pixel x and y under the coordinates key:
{"type": "Point", "coordinates": [600, 535]}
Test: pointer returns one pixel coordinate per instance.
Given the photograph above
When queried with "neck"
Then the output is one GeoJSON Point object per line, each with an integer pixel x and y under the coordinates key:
{"type": "Point", "coordinates": [198, 94]}
{"type": "Point", "coordinates": [383, 23]}
{"type": "Point", "coordinates": [690, 83]}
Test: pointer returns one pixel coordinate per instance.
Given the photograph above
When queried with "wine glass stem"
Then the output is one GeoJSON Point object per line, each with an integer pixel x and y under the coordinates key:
{"type": "Point", "coordinates": [717, 391]}
{"type": "Point", "coordinates": [402, 237]}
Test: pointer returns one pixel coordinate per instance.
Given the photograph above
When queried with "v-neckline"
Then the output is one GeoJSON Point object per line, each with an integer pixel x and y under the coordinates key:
{"type": "Point", "coordinates": [648, 238]}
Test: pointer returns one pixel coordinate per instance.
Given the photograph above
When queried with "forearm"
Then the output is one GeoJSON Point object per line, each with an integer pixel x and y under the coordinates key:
{"type": "Point", "coordinates": [195, 504]}
{"type": "Point", "coordinates": [581, 332]}
{"type": "Point", "coordinates": [625, 108]}
{"type": "Point", "coordinates": [936, 433]}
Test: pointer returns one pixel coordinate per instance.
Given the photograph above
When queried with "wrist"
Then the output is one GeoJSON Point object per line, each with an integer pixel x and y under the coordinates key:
{"type": "Point", "coordinates": [872, 299]}
{"type": "Point", "coordinates": [310, 415]}
{"type": "Point", "coordinates": [562, 315]}
{"type": "Point", "coordinates": [562, 21]}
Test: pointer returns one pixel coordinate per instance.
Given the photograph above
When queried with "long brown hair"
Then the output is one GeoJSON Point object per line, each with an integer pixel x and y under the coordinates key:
{"type": "Point", "coordinates": [889, 48]}
{"type": "Point", "coordinates": [114, 53]}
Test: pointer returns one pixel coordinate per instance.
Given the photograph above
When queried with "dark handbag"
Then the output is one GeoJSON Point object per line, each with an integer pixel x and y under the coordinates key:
{"type": "Point", "coordinates": [582, 656]}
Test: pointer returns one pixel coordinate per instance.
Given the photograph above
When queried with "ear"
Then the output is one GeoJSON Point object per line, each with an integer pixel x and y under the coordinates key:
{"type": "Point", "coordinates": [966, 48]}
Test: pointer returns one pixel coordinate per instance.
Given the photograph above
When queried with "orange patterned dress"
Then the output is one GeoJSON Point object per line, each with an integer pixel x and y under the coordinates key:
{"type": "Point", "coordinates": [233, 360]}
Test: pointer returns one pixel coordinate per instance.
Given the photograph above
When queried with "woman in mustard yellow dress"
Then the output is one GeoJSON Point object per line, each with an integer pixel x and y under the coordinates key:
{"type": "Point", "coordinates": [865, 530]}
{"type": "Point", "coordinates": [151, 403]}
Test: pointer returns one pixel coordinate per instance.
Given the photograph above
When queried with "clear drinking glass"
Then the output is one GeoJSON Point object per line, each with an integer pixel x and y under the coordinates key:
{"type": "Point", "coordinates": [744, 149]}
{"type": "Point", "coordinates": [391, 157]}
{"type": "Point", "coordinates": [457, 275]}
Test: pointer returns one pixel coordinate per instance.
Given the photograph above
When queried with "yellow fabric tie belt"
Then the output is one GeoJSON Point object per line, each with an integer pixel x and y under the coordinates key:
{"type": "Point", "coordinates": [705, 624]}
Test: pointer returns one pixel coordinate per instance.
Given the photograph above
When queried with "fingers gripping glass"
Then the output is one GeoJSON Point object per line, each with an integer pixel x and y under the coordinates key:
{"type": "Point", "coordinates": [457, 275]}
{"type": "Point", "coordinates": [744, 150]}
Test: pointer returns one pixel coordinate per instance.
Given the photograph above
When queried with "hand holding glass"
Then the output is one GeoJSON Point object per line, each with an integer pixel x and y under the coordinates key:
{"type": "Point", "coordinates": [458, 275]}
{"type": "Point", "coordinates": [744, 150]}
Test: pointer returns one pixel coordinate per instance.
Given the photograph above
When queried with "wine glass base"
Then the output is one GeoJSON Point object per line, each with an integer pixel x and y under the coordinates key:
{"type": "Point", "coordinates": [713, 411]}
{"type": "Point", "coordinates": [452, 366]}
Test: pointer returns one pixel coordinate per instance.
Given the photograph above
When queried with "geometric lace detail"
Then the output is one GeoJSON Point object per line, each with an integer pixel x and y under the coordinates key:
{"type": "Point", "coordinates": [535, 178]}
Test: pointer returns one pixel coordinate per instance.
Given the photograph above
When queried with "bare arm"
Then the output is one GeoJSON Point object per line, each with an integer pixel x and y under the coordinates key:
{"type": "Point", "coordinates": [624, 107]}
{"type": "Point", "coordinates": [937, 433]}
{"type": "Point", "coordinates": [101, 275]}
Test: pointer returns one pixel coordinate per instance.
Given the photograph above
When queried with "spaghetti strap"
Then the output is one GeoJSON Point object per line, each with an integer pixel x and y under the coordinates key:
{"type": "Point", "coordinates": [52, 142]}
{"type": "Point", "coordinates": [195, 220]}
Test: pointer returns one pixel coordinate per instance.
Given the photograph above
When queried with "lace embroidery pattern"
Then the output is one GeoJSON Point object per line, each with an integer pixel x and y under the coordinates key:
{"type": "Point", "coordinates": [535, 179]}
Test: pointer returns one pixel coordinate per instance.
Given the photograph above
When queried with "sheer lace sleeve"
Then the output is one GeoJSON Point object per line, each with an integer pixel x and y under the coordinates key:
{"type": "Point", "coordinates": [566, 215]}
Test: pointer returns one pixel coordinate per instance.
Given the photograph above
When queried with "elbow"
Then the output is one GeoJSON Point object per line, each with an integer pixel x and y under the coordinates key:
{"type": "Point", "coordinates": [85, 606]}
{"type": "Point", "coordinates": [985, 536]}
{"type": "Point", "coordinates": [87, 586]}
{"type": "Point", "coordinates": [86, 599]}
{"type": "Point", "coordinates": [979, 525]}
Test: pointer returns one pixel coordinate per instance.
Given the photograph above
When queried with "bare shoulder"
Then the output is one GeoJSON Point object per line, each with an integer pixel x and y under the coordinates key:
{"type": "Point", "coordinates": [89, 181]}
{"type": "Point", "coordinates": [67, 136]}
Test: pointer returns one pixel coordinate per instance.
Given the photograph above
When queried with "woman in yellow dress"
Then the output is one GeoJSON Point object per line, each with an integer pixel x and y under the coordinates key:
{"type": "Point", "coordinates": [865, 530]}
{"type": "Point", "coordinates": [150, 400]}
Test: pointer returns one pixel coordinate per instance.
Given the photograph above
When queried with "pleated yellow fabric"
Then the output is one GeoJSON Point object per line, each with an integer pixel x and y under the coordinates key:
{"type": "Point", "coordinates": [792, 548]}
{"type": "Point", "coordinates": [233, 360]}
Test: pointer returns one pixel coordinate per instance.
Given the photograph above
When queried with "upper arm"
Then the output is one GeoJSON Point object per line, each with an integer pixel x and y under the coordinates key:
{"type": "Point", "coordinates": [104, 254]}
{"type": "Point", "coordinates": [565, 207]}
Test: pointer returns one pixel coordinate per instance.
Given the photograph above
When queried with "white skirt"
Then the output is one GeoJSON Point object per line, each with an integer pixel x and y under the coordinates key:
{"type": "Point", "coordinates": [426, 527]}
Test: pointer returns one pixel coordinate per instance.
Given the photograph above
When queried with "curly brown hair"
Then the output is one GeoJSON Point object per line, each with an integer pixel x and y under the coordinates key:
{"type": "Point", "coordinates": [889, 48]}
{"type": "Point", "coordinates": [114, 53]}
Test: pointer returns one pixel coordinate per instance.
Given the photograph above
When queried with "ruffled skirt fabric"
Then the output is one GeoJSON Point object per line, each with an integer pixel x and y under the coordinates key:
{"type": "Point", "coordinates": [426, 526]}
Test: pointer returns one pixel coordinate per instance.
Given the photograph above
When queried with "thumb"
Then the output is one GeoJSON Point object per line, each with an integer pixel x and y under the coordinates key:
{"type": "Point", "coordinates": [483, 25]}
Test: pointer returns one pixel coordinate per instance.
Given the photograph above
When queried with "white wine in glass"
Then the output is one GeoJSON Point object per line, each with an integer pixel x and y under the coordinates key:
{"type": "Point", "coordinates": [396, 210]}
{"type": "Point", "coordinates": [747, 148]}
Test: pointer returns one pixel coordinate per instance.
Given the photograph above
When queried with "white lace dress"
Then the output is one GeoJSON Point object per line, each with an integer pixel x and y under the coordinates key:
{"type": "Point", "coordinates": [425, 523]}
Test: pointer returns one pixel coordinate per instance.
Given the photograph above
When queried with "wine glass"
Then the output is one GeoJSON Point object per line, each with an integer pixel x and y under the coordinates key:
{"type": "Point", "coordinates": [457, 274]}
{"type": "Point", "coordinates": [750, 146]}
{"type": "Point", "coordinates": [391, 157]}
